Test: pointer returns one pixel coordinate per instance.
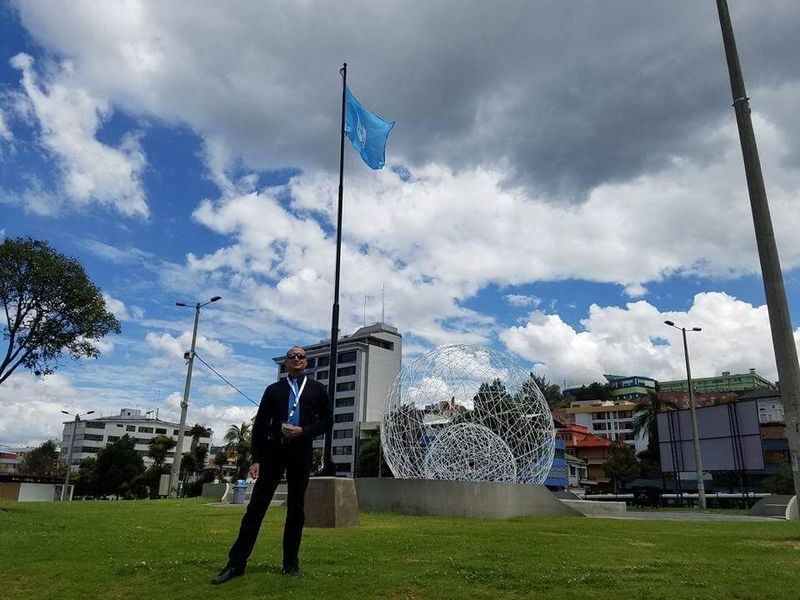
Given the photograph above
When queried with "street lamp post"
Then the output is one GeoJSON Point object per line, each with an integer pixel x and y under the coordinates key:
{"type": "Point", "coordinates": [698, 463]}
{"type": "Point", "coordinates": [176, 462]}
{"type": "Point", "coordinates": [69, 450]}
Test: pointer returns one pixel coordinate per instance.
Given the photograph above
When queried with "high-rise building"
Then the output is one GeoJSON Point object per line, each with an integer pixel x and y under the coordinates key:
{"type": "Point", "coordinates": [94, 434]}
{"type": "Point", "coordinates": [367, 365]}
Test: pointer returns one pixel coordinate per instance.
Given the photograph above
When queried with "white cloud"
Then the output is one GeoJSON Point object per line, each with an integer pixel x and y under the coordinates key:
{"type": "Point", "coordinates": [120, 311]}
{"type": "Point", "coordinates": [439, 237]}
{"type": "Point", "coordinates": [69, 117]}
{"type": "Point", "coordinates": [32, 407]}
{"type": "Point", "coordinates": [171, 347]}
{"type": "Point", "coordinates": [5, 132]}
{"type": "Point", "coordinates": [634, 341]}
{"type": "Point", "coordinates": [521, 301]}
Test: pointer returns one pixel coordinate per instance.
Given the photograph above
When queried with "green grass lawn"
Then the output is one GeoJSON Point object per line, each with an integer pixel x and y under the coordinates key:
{"type": "Point", "coordinates": [170, 549]}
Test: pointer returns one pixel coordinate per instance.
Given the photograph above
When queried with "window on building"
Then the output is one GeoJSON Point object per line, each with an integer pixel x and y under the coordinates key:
{"type": "Point", "coordinates": [130, 428]}
{"type": "Point", "coordinates": [89, 450]}
{"type": "Point", "coordinates": [342, 467]}
{"type": "Point", "coordinates": [346, 357]}
{"type": "Point", "coordinates": [345, 402]}
{"type": "Point", "coordinates": [340, 434]}
{"type": "Point", "coordinates": [345, 371]}
{"type": "Point", "coordinates": [161, 431]}
{"type": "Point", "coordinates": [95, 425]}
{"type": "Point", "coordinates": [282, 368]}
{"type": "Point", "coordinates": [311, 363]}
{"type": "Point", "coordinates": [174, 432]}
{"type": "Point", "coordinates": [346, 386]}
{"type": "Point", "coordinates": [323, 361]}
{"type": "Point", "coordinates": [93, 437]}
{"type": "Point", "coordinates": [113, 438]}
{"type": "Point", "coordinates": [343, 418]}
{"type": "Point", "coordinates": [381, 343]}
{"type": "Point", "coordinates": [145, 430]}
{"type": "Point", "coordinates": [342, 450]}
{"type": "Point", "coordinates": [322, 375]}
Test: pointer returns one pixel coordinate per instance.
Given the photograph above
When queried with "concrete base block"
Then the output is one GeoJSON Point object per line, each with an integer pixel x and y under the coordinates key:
{"type": "Point", "coordinates": [331, 502]}
{"type": "Point", "coordinates": [477, 500]}
{"type": "Point", "coordinates": [214, 490]}
{"type": "Point", "coordinates": [594, 508]}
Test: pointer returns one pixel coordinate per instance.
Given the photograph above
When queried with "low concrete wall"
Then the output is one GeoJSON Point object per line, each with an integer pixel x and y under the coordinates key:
{"type": "Point", "coordinates": [594, 508]}
{"type": "Point", "coordinates": [214, 490]}
{"type": "Point", "coordinates": [775, 505]}
{"type": "Point", "coordinates": [36, 492]}
{"type": "Point", "coordinates": [469, 499]}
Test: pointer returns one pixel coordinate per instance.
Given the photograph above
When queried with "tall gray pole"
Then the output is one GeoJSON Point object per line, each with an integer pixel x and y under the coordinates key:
{"type": "Point", "coordinates": [779, 319]}
{"type": "Point", "coordinates": [176, 461]}
{"type": "Point", "coordinates": [698, 462]}
{"type": "Point", "coordinates": [69, 456]}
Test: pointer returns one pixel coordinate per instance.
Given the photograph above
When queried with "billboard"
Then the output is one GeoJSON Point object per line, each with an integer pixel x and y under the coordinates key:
{"type": "Point", "coordinates": [730, 438]}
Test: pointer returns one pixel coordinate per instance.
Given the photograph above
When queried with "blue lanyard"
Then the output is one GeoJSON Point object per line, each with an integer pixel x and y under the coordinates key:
{"type": "Point", "coordinates": [296, 393]}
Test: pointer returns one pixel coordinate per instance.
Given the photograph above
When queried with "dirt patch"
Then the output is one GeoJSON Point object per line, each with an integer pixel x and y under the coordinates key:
{"type": "Point", "coordinates": [793, 544]}
{"type": "Point", "coordinates": [641, 544]}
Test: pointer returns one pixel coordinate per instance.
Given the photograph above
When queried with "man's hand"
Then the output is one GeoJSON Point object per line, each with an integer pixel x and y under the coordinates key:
{"type": "Point", "coordinates": [254, 468]}
{"type": "Point", "coordinates": [291, 431]}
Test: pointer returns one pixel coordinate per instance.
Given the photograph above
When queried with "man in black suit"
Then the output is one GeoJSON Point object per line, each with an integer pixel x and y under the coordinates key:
{"type": "Point", "coordinates": [293, 411]}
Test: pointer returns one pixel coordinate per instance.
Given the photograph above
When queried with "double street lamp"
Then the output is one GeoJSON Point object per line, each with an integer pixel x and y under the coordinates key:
{"type": "Point", "coordinates": [176, 462]}
{"type": "Point", "coordinates": [701, 489]}
{"type": "Point", "coordinates": [69, 450]}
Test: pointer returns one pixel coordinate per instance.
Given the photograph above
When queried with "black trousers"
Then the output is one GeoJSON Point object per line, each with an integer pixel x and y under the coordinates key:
{"type": "Point", "coordinates": [296, 461]}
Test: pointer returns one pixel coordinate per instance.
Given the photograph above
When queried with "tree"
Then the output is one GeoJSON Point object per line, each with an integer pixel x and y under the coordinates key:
{"type": "Point", "coordinates": [42, 460]}
{"type": "Point", "coordinates": [86, 483]}
{"type": "Point", "coordinates": [238, 441]}
{"type": "Point", "coordinates": [118, 466]}
{"type": "Point", "coordinates": [621, 464]}
{"type": "Point", "coordinates": [594, 391]}
{"type": "Point", "coordinates": [50, 307]}
{"type": "Point", "coordinates": [158, 448]}
{"type": "Point", "coordinates": [369, 455]}
{"type": "Point", "coordinates": [645, 419]}
{"type": "Point", "coordinates": [220, 460]}
{"type": "Point", "coordinates": [196, 432]}
{"type": "Point", "coordinates": [551, 392]}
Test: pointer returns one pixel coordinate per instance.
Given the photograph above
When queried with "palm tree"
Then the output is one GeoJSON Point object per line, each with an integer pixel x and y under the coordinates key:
{"type": "Point", "coordinates": [238, 441]}
{"type": "Point", "coordinates": [645, 419]}
{"type": "Point", "coordinates": [158, 448]}
{"type": "Point", "coordinates": [196, 432]}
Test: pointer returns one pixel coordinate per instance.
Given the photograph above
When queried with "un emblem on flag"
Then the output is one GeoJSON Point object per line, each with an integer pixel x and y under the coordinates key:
{"type": "Point", "coordinates": [361, 132]}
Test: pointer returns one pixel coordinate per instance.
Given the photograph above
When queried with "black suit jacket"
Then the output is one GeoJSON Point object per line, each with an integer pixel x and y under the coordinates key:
{"type": "Point", "coordinates": [315, 418]}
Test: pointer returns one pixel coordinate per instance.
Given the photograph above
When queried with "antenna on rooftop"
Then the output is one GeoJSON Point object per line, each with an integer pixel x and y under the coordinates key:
{"type": "Point", "coordinates": [383, 302]}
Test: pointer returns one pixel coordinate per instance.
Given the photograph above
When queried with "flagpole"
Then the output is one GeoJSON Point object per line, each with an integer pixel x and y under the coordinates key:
{"type": "Point", "coordinates": [328, 468]}
{"type": "Point", "coordinates": [777, 304]}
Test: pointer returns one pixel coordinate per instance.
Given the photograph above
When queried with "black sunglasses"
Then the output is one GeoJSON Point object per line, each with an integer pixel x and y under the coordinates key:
{"type": "Point", "coordinates": [296, 355]}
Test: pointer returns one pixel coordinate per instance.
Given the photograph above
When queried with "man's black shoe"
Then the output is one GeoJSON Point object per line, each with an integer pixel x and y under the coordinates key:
{"type": "Point", "coordinates": [226, 574]}
{"type": "Point", "coordinates": [292, 572]}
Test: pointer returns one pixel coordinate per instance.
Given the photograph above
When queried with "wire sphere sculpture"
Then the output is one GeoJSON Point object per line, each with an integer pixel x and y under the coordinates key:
{"type": "Point", "coordinates": [471, 452]}
{"type": "Point", "coordinates": [467, 413]}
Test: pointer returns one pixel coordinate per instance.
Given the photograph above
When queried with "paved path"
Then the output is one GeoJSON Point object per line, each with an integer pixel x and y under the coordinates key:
{"type": "Point", "coordinates": [687, 516]}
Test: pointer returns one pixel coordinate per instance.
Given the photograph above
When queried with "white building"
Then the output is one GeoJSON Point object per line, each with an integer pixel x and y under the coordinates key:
{"type": "Point", "coordinates": [94, 434]}
{"type": "Point", "coordinates": [368, 362]}
{"type": "Point", "coordinates": [610, 419]}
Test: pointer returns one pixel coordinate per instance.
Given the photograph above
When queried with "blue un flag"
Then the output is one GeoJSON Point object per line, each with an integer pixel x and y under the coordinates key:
{"type": "Point", "coordinates": [367, 131]}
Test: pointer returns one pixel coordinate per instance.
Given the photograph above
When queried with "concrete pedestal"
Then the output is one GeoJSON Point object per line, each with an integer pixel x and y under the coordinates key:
{"type": "Point", "coordinates": [331, 502]}
{"type": "Point", "coordinates": [470, 499]}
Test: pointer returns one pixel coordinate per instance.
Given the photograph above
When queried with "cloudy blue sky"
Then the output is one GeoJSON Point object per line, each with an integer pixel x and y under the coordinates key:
{"type": "Point", "coordinates": [563, 176]}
